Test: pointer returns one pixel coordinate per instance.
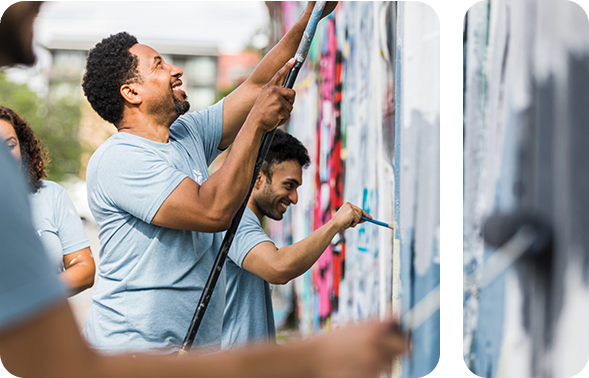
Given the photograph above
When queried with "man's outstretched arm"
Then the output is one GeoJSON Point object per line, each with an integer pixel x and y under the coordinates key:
{"type": "Point", "coordinates": [239, 103]}
{"type": "Point", "coordinates": [49, 345]}
{"type": "Point", "coordinates": [278, 266]}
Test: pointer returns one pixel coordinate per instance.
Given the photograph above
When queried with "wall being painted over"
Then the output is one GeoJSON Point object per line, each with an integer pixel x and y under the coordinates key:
{"type": "Point", "coordinates": [367, 109]}
{"type": "Point", "coordinates": [526, 129]}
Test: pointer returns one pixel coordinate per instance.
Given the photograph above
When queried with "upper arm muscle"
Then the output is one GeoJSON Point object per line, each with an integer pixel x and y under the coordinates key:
{"type": "Point", "coordinates": [184, 209]}
{"type": "Point", "coordinates": [261, 261]}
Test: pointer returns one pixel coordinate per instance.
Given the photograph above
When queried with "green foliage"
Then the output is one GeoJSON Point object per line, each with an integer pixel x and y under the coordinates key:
{"type": "Point", "coordinates": [55, 121]}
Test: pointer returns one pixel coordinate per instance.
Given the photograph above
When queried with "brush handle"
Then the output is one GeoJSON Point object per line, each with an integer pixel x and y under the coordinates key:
{"type": "Point", "coordinates": [383, 224]}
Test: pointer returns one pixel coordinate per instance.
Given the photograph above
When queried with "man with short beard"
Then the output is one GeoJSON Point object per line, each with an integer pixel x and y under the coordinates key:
{"type": "Point", "coordinates": [255, 262]}
{"type": "Point", "coordinates": [158, 212]}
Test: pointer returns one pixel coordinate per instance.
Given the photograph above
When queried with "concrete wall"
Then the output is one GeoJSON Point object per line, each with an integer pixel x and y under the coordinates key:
{"type": "Point", "coordinates": [367, 109]}
{"type": "Point", "coordinates": [526, 114]}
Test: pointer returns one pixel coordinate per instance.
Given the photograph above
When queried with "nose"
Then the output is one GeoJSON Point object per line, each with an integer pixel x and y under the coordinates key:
{"type": "Point", "coordinates": [294, 197]}
{"type": "Point", "coordinates": [175, 71]}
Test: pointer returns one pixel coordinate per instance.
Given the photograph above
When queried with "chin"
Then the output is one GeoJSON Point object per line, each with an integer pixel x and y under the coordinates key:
{"type": "Point", "coordinates": [276, 217]}
{"type": "Point", "coordinates": [181, 107]}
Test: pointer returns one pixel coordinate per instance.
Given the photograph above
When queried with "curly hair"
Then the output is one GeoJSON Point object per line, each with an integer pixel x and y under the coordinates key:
{"type": "Point", "coordinates": [284, 147]}
{"type": "Point", "coordinates": [34, 155]}
{"type": "Point", "coordinates": [108, 66]}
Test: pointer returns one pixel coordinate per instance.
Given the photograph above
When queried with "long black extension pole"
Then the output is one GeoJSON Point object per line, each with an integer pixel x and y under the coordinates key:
{"type": "Point", "coordinates": [264, 147]}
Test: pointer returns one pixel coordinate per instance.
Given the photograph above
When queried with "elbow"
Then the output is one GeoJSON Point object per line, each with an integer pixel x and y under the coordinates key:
{"type": "Point", "coordinates": [219, 224]}
{"type": "Point", "coordinates": [89, 282]}
{"type": "Point", "coordinates": [214, 220]}
{"type": "Point", "coordinates": [281, 276]}
{"type": "Point", "coordinates": [278, 280]}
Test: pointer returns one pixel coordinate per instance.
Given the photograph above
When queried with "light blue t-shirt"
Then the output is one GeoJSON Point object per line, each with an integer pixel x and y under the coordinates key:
{"type": "Point", "coordinates": [248, 313]}
{"type": "Point", "coordinates": [150, 278]}
{"type": "Point", "coordinates": [27, 284]}
{"type": "Point", "coordinates": [57, 223]}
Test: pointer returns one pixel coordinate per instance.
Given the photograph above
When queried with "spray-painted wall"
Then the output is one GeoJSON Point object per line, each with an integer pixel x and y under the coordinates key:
{"type": "Point", "coordinates": [526, 129]}
{"type": "Point", "coordinates": [367, 109]}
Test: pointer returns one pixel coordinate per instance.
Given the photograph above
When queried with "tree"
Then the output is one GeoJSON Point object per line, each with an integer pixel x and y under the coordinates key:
{"type": "Point", "coordinates": [55, 121]}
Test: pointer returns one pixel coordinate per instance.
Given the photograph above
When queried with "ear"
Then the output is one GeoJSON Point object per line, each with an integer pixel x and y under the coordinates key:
{"type": "Point", "coordinates": [260, 180]}
{"type": "Point", "coordinates": [131, 94]}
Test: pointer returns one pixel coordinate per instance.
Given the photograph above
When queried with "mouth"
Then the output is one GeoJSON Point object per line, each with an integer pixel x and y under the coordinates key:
{"type": "Point", "coordinates": [176, 86]}
{"type": "Point", "coordinates": [283, 206]}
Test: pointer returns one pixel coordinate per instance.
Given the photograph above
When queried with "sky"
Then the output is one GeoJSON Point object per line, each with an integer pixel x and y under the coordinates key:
{"type": "Point", "coordinates": [225, 26]}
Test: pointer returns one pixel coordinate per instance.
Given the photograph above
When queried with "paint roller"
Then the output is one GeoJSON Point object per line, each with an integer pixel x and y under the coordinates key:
{"type": "Point", "coordinates": [520, 235]}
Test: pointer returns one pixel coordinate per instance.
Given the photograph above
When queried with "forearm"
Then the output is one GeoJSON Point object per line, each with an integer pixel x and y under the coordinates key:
{"type": "Point", "coordinates": [77, 278]}
{"type": "Point", "coordinates": [297, 258]}
{"type": "Point", "coordinates": [253, 362]}
{"type": "Point", "coordinates": [228, 186]}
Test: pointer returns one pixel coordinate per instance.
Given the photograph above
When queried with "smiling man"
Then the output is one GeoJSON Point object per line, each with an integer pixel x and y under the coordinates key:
{"type": "Point", "coordinates": [255, 262]}
{"type": "Point", "coordinates": [158, 212]}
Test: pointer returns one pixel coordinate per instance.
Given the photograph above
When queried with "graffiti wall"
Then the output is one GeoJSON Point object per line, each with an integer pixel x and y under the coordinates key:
{"type": "Point", "coordinates": [367, 109]}
{"type": "Point", "coordinates": [526, 119]}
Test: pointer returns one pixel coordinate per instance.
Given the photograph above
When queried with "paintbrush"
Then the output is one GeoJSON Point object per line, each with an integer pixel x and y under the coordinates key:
{"type": "Point", "coordinates": [378, 222]}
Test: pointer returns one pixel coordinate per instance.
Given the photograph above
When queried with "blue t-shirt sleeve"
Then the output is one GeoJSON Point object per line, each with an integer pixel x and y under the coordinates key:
{"type": "Point", "coordinates": [27, 283]}
{"type": "Point", "coordinates": [204, 128]}
{"type": "Point", "coordinates": [135, 179]}
{"type": "Point", "coordinates": [69, 225]}
{"type": "Point", "coordinates": [248, 235]}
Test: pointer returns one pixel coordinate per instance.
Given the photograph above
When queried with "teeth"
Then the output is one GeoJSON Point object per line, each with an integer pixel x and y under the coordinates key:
{"type": "Point", "coordinates": [283, 205]}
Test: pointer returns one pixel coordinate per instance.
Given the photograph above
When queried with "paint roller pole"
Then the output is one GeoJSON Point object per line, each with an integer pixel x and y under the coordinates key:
{"type": "Point", "coordinates": [264, 147]}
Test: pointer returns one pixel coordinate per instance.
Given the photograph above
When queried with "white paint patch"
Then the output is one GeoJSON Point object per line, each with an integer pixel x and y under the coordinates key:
{"type": "Point", "coordinates": [516, 346]}
{"type": "Point", "coordinates": [421, 62]}
{"type": "Point", "coordinates": [571, 345]}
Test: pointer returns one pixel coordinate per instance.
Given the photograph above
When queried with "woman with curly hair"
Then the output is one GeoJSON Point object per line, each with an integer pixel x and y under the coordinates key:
{"type": "Point", "coordinates": [54, 216]}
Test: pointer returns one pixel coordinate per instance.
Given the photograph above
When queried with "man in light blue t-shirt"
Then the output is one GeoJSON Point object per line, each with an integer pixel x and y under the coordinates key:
{"type": "Point", "coordinates": [158, 212]}
{"type": "Point", "coordinates": [255, 262]}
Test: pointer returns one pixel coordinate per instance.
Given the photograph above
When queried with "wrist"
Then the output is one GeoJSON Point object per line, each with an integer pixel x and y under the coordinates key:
{"type": "Point", "coordinates": [256, 126]}
{"type": "Point", "coordinates": [334, 227]}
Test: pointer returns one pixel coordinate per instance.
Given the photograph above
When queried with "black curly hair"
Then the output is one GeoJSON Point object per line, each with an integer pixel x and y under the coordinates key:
{"type": "Point", "coordinates": [108, 66]}
{"type": "Point", "coordinates": [34, 155]}
{"type": "Point", "coordinates": [284, 147]}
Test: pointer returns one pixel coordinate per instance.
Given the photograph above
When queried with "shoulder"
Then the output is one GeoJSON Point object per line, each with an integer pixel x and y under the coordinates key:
{"type": "Point", "coordinates": [250, 227]}
{"type": "Point", "coordinates": [50, 189]}
{"type": "Point", "coordinates": [118, 148]}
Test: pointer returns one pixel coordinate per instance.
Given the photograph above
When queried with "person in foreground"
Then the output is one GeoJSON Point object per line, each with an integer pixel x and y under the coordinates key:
{"type": "Point", "coordinates": [255, 262]}
{"type": "Point", "coordinates": [39, 337]}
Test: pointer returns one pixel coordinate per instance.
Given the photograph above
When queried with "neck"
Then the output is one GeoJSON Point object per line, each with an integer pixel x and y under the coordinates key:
{"type": "Point", "coordinates": [147, 128]}
{"type": "Point", "coordinates": [253, 207]}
